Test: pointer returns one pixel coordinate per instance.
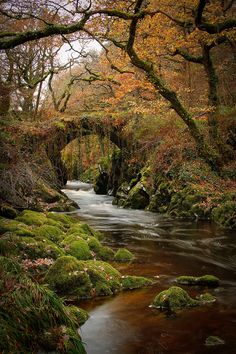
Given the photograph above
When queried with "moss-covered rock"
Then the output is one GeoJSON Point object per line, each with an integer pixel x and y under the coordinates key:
{"type": "Point", "coordinates": [68, 277]}
{"type": "Point", "coordinates": [83, 279]}
{"type": "Point", "coordinates": [101, 183]}
{"type": "Point", "coordinates": [225, 214]}
{"type": "Point", "coordinates": [123, 255]}
{"type": "Point", "coordinates": [8, 212]}
{"type": "Point", "coordinates": [106, 280]}
{"type": "Point", "coordinates": [70, 238]}
{"type": "Point", "coordinates": [78, 249]}
{"type": "Point", "coordinates": [213, 341]}
{"type": "Point", "coordinates": [162, 197]}
{"type": "Point", "coordinates": [30, 217]}
{"type": "Point", "coordinates": [66, 220]}
{"type": "Point", "coordinates": [83, 230]}
{"type": "Point", "coordinates": [121, 194]}
{"type": "Point", "coordinates": [50, 232]}
{"type": "Point", "coordinates": [29, 311]}
{"type": "Point", "coordinates": [138, 197]}
{"type": "Point", "coordinates": [94, 244]}
{"type": "Point", "coordinates": [205, 280]}
{"type": "Point", "coordinates": [174, 298]}
{"type": "Point", "coordinates": [49, 195]}
{"type": "Point", "coordinates": [33, 248]}
{"type": "Point", "coordinates": [206, 298]}
{"type": "Point", "coordinates": [130, 282]}
{"type": "Point", "coordinates": [105, 253]}
{"type": "Point", "coordinates": [15, 226]}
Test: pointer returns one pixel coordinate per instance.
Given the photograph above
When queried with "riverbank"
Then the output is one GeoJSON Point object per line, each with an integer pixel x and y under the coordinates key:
{"type": "Point", "coordinates": [48, 262]}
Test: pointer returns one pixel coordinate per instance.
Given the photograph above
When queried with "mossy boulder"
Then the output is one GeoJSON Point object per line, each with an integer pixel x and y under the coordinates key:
{"type": "Point", "coordinates": [205, 280]}
{"type": "Point", "coordinates": [68, 277]}
{"type": "Point", "coordinates": [30, 217]}
{"type": "Point", "coordinates": [102, 252]}
{"type": "Point", "coordinates": [78, 249]}
{"type": "Point", "coordinates": [174, 298]}
{"type": "Point", "coordinates": [33, 248]}
{"type": "Point", "coordinates": [48, 194]}
{"type": "Point", "coordinates": [70, 238]}
{"type": "Point", "coordinates": [50, 232]}
{"type": "Point", "coordinates": [225, 214]}
{"type": "Point", "coordinates": [8, 212]}
{"type": "Point", "coordinates": [138, 197]}
{"type": "Point", "coordinates": [188, 202]}
{"type": "Point", "coordinates": [106, 280]}
{"type": "Point", "coordinates": [83, 279]}
{"type": "Point", "coordinates": [121, 194]}
{"type": "Point", "coordinates": [213, 341]}
{"type": "Point", "coordinates": [123, 255]}
{"type": "Point", "coordinates": [15, 226]}
{"type": "Point", "coordinates": [162, 197]}
{"type": "Point", "coordinates": [206, 298]}
{"type": "Point", "coordinates": [130, 282]}
{"type": "Point", "coordinates": [66, 220]}
{"type": "Point", "coordinates": [101, 183]}
{"type": "Point", "coordinates": [83, 230]}
{"type": "Point", "coordinates": [105, 253]}
{"type": "Point", "coordinates": [29, 311]}
{"type": "Point", "coordinates": [94, 244]}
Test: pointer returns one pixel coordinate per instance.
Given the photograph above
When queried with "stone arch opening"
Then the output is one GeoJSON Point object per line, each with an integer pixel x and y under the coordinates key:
{"type": "Point", "coordinates": [66, 132]}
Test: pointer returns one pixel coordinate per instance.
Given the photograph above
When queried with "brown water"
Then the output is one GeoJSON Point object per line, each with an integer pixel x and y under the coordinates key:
{"type": "Point", "coordinates": [164, 248]}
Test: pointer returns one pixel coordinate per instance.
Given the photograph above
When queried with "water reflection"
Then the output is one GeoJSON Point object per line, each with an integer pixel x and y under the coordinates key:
{"type": "Point", "coordinates": [164, 249]}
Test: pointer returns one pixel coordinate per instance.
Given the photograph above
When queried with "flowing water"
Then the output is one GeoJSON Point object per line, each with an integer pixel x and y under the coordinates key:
{"type": "Point", "coordinates": [164, 248]}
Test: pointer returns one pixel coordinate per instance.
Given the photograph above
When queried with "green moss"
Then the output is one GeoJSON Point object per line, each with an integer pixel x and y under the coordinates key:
{"type": "Point", "coordinates": [89, 230]}
{"type": "Point", "coordinates": [138, 197]}
{"type": "Point", "coordinates": [9, 245]}
{"type": "Point", "coordinates": [80, 314]}
{"type": "Point", "coordinates": [225, 214]}
{"type": "Point", "coordinates": [8, 212]}
{"type": "Point", "coordinates": [70, 238]}
{"type": "Point", "coordinates": [83, 230]}
{"type": "Point", "coordinates": [33, 248]}
{"type": "Point", "coordinates": [105, 279]}
{"type": "Point", "coordinates": [47, 194]}
{"type": "Point", "coordinates": [213, 341]}
{"type": "Point", "coordinates": [206, 298]}
{"type": "Point", "coordinates": [68, 277]}
{"type": "Point", "coordinates": [94, 244]}
{"type": "Point", "coordinates": [78, 249]}
{"type": "Point", "coordinates": [174, 298]}
{"type": "Point", "coordinates": [133, 282]}
{"type": "Point", "coordinates": [15, 226]}
{"type": "Point", "coordinates": [78, 230]}
{"type": "Point", "coordinates": [123, 255]}
{"type": "Point", "coordinates": [58, 224]}
{"type": "Point", "coordinates": [84, 279]}
{"type": "Point", "coordinates": [29, 311]}
{"type": "Point", "coordinates": [105, 253]}
{"type": "Point", "coordinates": [52, 233]}
{"type": "Point", "coordinates": [30, 217]}
{"type": "Point", "coordinates": [66, 220]}
{"type": "Point", "coordinates": [205, 280]}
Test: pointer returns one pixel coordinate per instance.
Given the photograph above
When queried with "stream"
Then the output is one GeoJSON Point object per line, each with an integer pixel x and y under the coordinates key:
{"type": "Point", "coordinates": [164, 248]}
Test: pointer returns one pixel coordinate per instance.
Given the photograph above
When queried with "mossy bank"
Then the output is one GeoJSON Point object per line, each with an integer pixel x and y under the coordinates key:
{"type": "Point", "coordinates": [45, 257]}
